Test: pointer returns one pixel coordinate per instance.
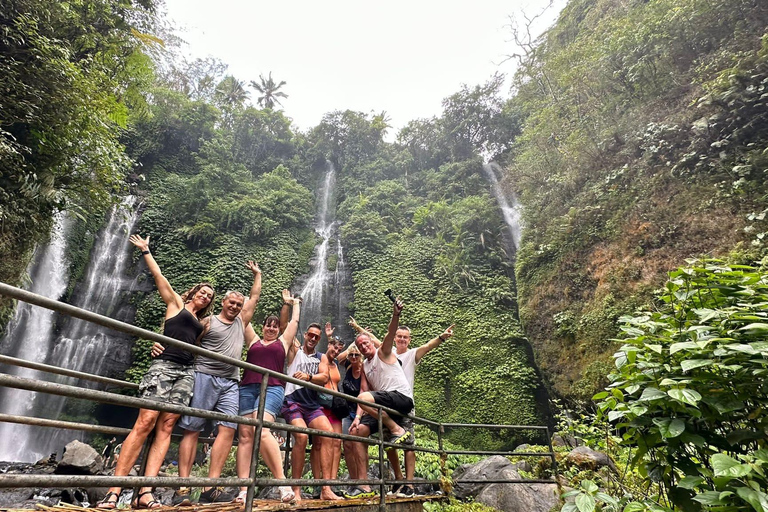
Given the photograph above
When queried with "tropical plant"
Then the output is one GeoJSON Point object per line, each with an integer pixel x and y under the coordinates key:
{"type": "Point", "coordinates": [689, 389]}
{"type": "Point", "coordinates": [269, 91]}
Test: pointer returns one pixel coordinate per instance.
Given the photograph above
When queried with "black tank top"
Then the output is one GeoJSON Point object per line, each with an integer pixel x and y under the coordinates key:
{"type": "Point", "coordinates": [183, 327]}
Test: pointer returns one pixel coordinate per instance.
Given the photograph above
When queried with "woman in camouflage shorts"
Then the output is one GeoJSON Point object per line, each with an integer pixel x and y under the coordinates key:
{"type": "Point", "coordinates": [169, 379]}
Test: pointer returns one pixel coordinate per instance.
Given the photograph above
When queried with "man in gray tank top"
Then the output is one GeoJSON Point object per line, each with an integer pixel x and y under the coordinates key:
{"type": "Point", "coordinates": [216, 387]}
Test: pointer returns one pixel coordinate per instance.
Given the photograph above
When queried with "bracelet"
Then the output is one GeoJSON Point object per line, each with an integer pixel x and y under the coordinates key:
{"type": "Point", "coordinates": [358, 416]}
{"type": "Point", "coordinates": [441, 338]}
{"type": "Point", "coordinates": [309, 378]}
{"type": "Point", "coordinates": [145, 252]}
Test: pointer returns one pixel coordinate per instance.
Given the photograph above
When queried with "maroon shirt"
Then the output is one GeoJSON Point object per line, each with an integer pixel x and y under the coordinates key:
{"type": "Point", "coordinates": [270, 356]}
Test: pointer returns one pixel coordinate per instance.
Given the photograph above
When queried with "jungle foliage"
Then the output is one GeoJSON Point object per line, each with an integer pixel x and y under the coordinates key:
{"type": "Point", "coordinates": [73, 75]}
{"type": "Point", "coordinates": [642, 143]}
{"type": "Point", "coordinates": [684, 410]}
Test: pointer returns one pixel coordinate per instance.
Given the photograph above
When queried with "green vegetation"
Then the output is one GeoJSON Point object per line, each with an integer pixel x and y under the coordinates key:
{"type": "Point", "coordinates": [684, 408]}
{"type": "Point", "coordinates": [642, 143]}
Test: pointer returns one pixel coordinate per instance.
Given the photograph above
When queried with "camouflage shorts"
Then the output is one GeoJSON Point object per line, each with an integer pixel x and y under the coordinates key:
{"type": "Point", "coordinates": [169, 382]}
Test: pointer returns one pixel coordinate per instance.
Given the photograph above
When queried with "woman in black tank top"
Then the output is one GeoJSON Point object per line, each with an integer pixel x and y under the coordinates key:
{"type": "Point", "coordinates": [170, 378]}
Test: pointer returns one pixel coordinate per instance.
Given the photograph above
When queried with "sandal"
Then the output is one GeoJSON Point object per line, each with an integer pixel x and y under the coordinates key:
{"type": "Point", "coordinates": [152, 503]}
{"type": "Point", "coordinates": [107, 503]}
{"type": "Point", "coordinates": [286, 494]}
{"type": "Point", "coordinates": [241, 497]}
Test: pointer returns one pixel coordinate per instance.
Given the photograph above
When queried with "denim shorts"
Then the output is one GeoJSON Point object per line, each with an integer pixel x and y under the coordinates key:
{"type": "Point", "coordinates": [249, 399]}
{"type": "Point", "coordinates": [212, 393]}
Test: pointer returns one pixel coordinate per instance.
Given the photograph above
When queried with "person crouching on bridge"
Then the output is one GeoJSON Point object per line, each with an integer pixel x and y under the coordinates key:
{"type": "Point", "coordinates": [302, 409]}
{"type": "Point", "coordinates": [169, 379]}
{"type": "Point", "coordinates": [383, 383]}
{"type": "Point", "coordinates": [269, 352]}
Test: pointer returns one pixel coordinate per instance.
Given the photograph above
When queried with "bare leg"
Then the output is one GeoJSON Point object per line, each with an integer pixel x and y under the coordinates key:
{"type": "Point", "coordinates": [394, 461]}
{"type": "Point", "coordinates": [220, 450]}
{"type": "Point", "coordinates": [385, 418]}
{"type": "Point", "coordinates": [187, 449]}
{"type": "Point", "coordinates": [133, 443]}
{"type": "Point", "coordinates": [298, 455]}
{"type": "Point", "coordinates": [336, 445]}
{"type": "Point", "coordinates": [410, 465]}
{"type": "Point", "coordinates": [326, 455]}
{"type": "Point", "coordinates": [358, 453]}
{"type": "Point", "coordinates": [159, 448]}
{"type": "Point", "coordinates": [245, 449]}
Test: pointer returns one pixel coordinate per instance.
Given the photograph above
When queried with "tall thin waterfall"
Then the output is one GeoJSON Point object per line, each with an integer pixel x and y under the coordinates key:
{"type": "Point", "coordinates": [510, 208]}
{"type": "Point", "coordinates": [76, 344]}
{"type": "Point", "coordinates": [30, 335]}
{"type": "Point", "coordinates": [323, 291]}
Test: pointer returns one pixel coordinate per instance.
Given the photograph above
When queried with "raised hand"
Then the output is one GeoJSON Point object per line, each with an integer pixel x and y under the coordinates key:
{"type": "Point", "coordinates": [447, 333]}
{"type": "Point", "coordinates": [397, 307]}
{"type": "Point", "coordinates": [253, 267]}
{"type": "Point", "coordinates": [329, 330]}
{"type": "Point", "coordinates": [141, 243]}
{"type": "Point", "coordinates": [287, 296]}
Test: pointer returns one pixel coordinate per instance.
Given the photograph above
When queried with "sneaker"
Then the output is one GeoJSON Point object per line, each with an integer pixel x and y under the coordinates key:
{"type": "Point", "coordinates": [357, 492]}
{"type": "Point", "coordinates": [395, 490]}
{"type": "Point", "coordinates": [217, 495]}
{"type": "Point", "coordinates": [402, 438]}
{"type": "Point", "coordinates": [406, 492]}
{"type": "Point", "coordinates": [181, 497]}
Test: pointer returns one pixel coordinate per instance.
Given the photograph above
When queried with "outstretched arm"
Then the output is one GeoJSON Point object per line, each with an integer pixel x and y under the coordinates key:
{"type": "Point", "coordinates": [361, 330]}
{"type": "Point", "coordinates": [285, 310]}
{"type": "Point", "coordinates": [386, 346]}
{"type": "Point", "coordinates": [288, 337]}
{"type": "Point", "coordinates": [170, 297]}
{"type": "Point", "coordinates": [250, 305]}
{"type": "Point", "coordinates": [433, 343]}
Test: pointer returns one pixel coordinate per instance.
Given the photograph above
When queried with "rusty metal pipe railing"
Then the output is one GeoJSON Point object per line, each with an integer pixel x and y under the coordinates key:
{"type": "Point", "coordinates": [259, 423]}
{"type": "Point", "coordinates": [67, 372]}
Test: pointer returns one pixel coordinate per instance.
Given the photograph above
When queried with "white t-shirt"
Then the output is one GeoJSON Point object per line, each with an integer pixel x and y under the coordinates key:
{"type": "Point", "coordinates": [408, 359]}
{"type": "Point", "coordinates": [383, 376]}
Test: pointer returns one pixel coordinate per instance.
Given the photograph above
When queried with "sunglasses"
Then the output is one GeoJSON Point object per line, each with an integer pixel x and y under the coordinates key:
{"type": "Point", "coordinates": [313, 336]}
{"type": "Point", "coordinates": [353, 355]}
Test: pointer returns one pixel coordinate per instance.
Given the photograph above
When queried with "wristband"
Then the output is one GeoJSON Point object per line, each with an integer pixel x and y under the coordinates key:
{"type": "Point", "coordinates": [441, 338]}
{"type": "Point", "coordinates": [309, 378]}
{"type": "Point", "coordinates": [144, 252]}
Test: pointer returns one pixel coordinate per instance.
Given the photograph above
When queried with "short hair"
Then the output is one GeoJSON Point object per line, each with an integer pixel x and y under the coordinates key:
{"type": "Point", "coordinates": [336, 341]}
{"type": "Point", "coordinates": [232, 292]}
{"type": "Point", "coordinates": [272, 320]}
{"type": "Point", "coordinates": [363, 334]}
{"type": "Point", "coordinates": [315, 325]}
{"type": "Point", "coordinates": [404, 328]}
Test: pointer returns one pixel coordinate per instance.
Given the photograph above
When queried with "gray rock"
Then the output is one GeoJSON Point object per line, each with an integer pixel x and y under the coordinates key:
{"type": "Point", "coordinates": [79, 459]}
{"type": "Point", "coordinates": [523, 465]}
{"type": "Point", "coordinates": [522, 448]}
{"type": "Point", "coordinates": [506, 497]}
{"type": "Point", "coordinates": [586, 458]}
{"type": "Point", "coordinates": [566, 440]}
{"type": "Point", "coordinates": [11, 498]}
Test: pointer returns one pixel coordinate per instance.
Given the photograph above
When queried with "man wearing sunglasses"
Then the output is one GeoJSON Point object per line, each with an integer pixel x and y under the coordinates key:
{"type": "Point", "coordinates": [302, 409]}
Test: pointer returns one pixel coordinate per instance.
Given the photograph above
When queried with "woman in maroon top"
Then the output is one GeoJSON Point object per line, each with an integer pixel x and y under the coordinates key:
{"type": "Point", "coordinates": [269, 353]}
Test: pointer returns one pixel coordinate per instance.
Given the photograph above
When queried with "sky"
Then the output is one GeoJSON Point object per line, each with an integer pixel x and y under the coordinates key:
{"type": "Point", "coordinates": [399, 56]}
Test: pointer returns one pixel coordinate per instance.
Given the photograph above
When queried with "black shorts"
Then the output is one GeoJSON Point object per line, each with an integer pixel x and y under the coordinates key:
{"type": "Point", "coordinates": [392, 399]}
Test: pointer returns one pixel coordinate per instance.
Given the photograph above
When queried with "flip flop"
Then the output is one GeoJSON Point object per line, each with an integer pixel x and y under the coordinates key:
{"type": "Point", "coordinates": [107, 503]}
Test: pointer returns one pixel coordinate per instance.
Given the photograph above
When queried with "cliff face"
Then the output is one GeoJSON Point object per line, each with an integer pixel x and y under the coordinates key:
{"type": "Point", "coordinates": [643, 144]}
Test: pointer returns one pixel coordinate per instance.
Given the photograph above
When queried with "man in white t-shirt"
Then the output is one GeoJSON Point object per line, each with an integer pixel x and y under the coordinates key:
{"type": "Point", "coordinates": [382, 382]}
{"type": "Point", "coordinates": [410, 358]}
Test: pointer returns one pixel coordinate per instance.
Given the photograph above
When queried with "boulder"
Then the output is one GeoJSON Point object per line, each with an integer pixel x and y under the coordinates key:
{"type": "Point", "coordinates": [516, 497]}
{"type": "Point", "coordinates": [12, 498]}
{"type": "Point", "coordinates": [79, 459]}
{"type": "Point", "coordinates": [586, 458]}
{"type": "Point", "coordinates": [523, 465]}
{"type": "Point", "coordinates": [566, 440]}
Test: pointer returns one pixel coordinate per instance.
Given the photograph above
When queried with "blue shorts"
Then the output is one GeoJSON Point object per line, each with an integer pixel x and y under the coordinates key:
{"type": "Point", "coordinates": [249, 399]}
{"type": "Point", "coordinates": [212, 393]}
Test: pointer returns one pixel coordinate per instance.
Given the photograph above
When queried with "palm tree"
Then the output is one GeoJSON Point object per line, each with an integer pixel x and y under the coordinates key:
{"type": "Point", "coordinates": [231, 91]}
{"type": "Point", "coordinates": [269, 91]}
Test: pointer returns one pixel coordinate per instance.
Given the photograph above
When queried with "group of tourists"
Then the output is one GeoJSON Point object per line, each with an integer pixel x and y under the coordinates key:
{"type": "Point", "coordinates": [376, 371]}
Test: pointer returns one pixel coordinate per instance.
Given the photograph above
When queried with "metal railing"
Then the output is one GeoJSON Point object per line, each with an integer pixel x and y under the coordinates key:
{"type": "Point", "coordinates": [63, 481]}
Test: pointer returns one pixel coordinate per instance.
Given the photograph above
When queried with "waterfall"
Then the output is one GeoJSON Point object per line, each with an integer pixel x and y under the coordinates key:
{"type": "Point", "coordinates": [30, 335]}
{"type": "Point", "coordinates": [510, 208]}
{"type": "Point", "coordinates": [323, 292]}
{"type": "Point", "coordinates": [73, 343]}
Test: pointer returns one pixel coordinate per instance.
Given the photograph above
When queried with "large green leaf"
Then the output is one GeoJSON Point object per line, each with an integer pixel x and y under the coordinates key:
{"type": "Point", "coordinates": [758, 499]}
{"type": "Point", "coordinates": [690, 364]}
{"type": "Point", "coordinates": [651, 394]}
{"type": "Point", "coordinates": [726, 466]}
{"type": "Point", "coordinates": [669, 427]}
{"type": "Point", "coordinates": [585, 502]}
{"type": "Point", "coordinates": [687, 396]}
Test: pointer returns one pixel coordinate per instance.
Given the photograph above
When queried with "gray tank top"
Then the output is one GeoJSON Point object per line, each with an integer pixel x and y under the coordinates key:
{"type": "Point", "coordinates": [224, 339]}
